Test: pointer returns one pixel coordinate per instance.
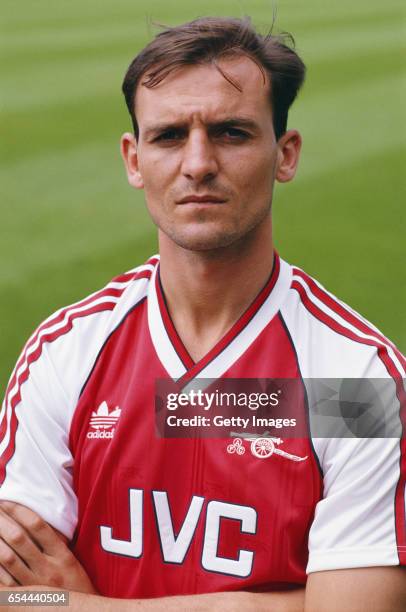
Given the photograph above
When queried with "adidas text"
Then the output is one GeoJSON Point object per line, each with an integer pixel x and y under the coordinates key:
{"type": "Point", "coordinates": [100, 434]}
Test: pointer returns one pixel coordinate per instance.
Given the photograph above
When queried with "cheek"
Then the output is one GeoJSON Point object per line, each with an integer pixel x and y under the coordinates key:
{"type": "Point", "coordinates": [158, 173]}
{"type": "Point", "coordinates": [254, 174]}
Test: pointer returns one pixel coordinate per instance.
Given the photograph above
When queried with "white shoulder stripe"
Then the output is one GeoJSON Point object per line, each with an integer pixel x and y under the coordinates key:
{"type": "Point", "coordinates": [361, 335]}
{"type": "Point", "coordinates": [19, 373]}
{"type": "Point", "coordinates": [348, 308]}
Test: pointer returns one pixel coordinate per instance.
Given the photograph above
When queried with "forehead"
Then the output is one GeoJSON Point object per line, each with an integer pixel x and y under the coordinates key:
{"type": "Point", "coordinates": [202, 91]}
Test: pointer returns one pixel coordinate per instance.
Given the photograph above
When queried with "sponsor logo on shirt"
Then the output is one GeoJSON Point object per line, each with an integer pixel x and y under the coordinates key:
{"type": "Point", "coordinates": [103, 421]}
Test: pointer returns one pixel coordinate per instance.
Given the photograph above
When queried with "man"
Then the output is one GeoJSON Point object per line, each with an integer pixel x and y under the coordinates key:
{"type": "Point", "coordinates": [151, 517]}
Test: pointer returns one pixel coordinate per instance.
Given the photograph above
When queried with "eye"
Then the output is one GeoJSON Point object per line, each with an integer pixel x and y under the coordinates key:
{"type": "Point", "coordinates": [232, 133]}
{"type": "Point", "coordinates": [235, 133]}
{"type": "Point", "coordinates": [169, 135]}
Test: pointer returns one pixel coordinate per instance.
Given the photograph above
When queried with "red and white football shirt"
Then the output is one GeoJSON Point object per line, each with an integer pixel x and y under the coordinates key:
{"type": "Point", "coordinates": [150, 516]}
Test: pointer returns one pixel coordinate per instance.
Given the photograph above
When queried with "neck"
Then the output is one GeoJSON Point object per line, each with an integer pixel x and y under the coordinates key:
{"type": "Point", "coordinates": [207, 291]}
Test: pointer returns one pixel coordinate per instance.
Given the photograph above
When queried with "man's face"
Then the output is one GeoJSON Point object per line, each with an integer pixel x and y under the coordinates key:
{"type": "Point", "coordinates": [206, 154]}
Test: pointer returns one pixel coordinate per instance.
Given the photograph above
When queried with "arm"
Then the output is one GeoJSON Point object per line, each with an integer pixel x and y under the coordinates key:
{"type": "Point", "coordinates": [32, 554]}
{"type": "Point", "coordinates": [227, 602]}
{"type": "Point", "coordinates": [356, 541]}
{"type": "Point", "coordinates": [376, 589]}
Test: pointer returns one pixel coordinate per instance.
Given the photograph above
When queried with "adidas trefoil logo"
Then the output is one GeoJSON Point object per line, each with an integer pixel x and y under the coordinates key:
{"type": "Point", "coordinates": [103, 421]}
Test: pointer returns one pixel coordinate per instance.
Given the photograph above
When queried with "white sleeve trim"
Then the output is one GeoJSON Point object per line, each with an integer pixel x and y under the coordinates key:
{"type": "Point", "coordinates": [347, 558]}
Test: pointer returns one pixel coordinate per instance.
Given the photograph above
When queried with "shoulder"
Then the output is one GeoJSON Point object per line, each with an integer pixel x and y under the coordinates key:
{"type": "Point", "coordinates": [120, 294]}
{"type": "Point", "coordinates": [65, 344]}
{"type": "Point", "coordinates": [347, 362]}
{"type": "Point", "coordinates": [333, 340]}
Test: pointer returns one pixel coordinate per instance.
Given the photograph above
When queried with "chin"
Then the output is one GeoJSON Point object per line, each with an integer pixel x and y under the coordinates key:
{"type": "Point", "coordinates": [204, 241]}
{"type": "Point", "coordinates": [214, 236]}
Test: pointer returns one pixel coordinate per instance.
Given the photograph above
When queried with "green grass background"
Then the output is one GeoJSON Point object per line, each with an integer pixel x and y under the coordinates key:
{"type": "Point", "coordinates": [69, 222]}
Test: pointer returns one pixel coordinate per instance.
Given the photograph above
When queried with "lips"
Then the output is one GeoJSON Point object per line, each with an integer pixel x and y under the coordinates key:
{"type": "Point", "coordinates": [201, 199]}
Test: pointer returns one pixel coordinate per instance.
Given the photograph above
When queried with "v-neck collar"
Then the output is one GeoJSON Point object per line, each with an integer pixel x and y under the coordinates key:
{"type": "Point", "coordinates": [170, 328]}
{"type": "Point", "coordinates": [171, 350]}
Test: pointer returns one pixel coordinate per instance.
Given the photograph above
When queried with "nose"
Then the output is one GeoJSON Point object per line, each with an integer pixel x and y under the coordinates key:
{"type": "Point", "coordinates": [199, 162]}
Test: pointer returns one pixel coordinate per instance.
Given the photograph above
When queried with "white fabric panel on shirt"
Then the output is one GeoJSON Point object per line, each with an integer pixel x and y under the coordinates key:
{"type": "Point", "coordinates": [39, 474]}
{"type": "Point", "coordinates": [354, 524]}
{"type": "Point", "coordinates": [32, 349]}
{"type": "Point", "coordinates": [352, 311]}
{"type": "Point", "coordinates": [360, 334]}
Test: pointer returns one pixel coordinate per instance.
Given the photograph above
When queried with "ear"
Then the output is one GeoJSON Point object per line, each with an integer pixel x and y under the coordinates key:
{"type": "Point", "coordinates": [129, 153]}
{"type": "Point", "coordinates": [289, 146]}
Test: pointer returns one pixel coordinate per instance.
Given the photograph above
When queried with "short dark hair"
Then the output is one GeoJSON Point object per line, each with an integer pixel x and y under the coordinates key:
{"type": "Point", "coordinates": [207, 40]}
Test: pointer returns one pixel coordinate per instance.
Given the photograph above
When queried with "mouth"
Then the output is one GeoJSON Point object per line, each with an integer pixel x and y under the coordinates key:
{"type": "Point", "coordinates": [201, 199]}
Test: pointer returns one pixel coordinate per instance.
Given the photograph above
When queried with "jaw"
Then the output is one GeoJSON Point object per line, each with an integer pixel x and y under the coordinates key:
{"type": "Point", "coordinates": [211, 239]}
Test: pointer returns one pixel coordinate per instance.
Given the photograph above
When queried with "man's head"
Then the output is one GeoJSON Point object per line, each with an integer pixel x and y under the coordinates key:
{"type": "Point", "coordinates": [208, 40]}
{"type": "Point", "coordinates": [209, 102]}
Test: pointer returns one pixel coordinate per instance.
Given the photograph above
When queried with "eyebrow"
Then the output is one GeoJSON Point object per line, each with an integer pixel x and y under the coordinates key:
{"type": "Point", "coordinates": [242, 122]}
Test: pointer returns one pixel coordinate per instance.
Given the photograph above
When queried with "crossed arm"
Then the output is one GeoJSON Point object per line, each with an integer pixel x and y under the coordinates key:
{"type": "Point", "coordinates": [33, 555]}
